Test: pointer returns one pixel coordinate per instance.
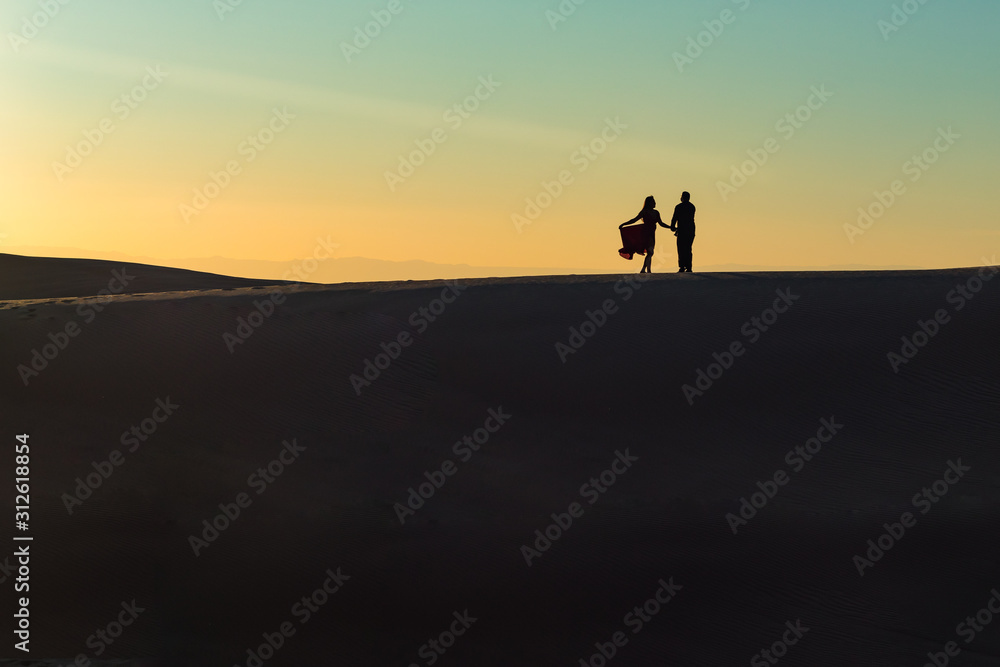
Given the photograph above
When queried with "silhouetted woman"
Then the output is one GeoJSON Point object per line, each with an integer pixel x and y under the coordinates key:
{"type": "Point", "coordinates": [650, 218]}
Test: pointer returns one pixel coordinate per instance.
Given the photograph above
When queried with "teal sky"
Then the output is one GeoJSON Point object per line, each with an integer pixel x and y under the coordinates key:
{"type": "Point", "coordinates": [606, 60]}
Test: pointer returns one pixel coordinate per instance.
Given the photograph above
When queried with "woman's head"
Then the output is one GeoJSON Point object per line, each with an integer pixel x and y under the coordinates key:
{"type": "Point", "coordinates": [650, 204]}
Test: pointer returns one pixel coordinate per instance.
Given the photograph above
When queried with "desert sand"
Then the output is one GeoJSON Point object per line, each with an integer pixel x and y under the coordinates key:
{"type": "Point", "coordinates": [163, 355]}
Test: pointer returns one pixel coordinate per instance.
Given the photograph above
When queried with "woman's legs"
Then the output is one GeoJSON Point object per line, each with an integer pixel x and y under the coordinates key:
{"type": "Point", "coordinates": [647, 266]}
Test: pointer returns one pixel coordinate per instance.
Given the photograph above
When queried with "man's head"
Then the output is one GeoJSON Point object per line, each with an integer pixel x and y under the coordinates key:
{"type": "Point", "coordinates": [685, 196]}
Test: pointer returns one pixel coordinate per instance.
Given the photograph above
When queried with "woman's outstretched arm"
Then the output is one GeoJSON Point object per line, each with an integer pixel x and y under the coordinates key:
{"type": "Point", "coordinates": [630, 221]}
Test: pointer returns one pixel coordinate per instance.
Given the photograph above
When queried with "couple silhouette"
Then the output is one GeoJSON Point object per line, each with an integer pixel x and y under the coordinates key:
{"type": "Point", "coordinates": [682, 225]}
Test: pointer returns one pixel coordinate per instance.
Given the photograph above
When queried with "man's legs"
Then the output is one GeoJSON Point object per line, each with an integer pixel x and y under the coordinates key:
{"type": "Point", "coordinates": [685, 251]}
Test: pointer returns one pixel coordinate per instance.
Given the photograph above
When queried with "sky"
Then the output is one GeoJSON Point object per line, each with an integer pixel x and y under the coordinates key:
{"type": "Point", "coordinates": [511, 133]}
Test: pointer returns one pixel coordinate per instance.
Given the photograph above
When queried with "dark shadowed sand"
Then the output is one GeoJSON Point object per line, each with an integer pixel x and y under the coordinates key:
{"type": "Point", "coordinates": [494, 348]}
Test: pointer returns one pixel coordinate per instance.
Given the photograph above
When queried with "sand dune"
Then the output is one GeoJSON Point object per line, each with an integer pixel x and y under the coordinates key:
{"type": "Point", "coordinates": [496, 361]}
{"type": "Point", "coordinates": [45, 277]}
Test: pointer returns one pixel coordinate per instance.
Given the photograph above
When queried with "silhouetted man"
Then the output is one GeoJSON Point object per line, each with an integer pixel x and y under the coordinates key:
{"type": "Point", "coordinates": [682, 225]}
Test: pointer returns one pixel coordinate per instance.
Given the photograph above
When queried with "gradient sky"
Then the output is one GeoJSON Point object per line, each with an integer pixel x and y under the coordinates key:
{"type": "Point", "coordinates": [324, 175]}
